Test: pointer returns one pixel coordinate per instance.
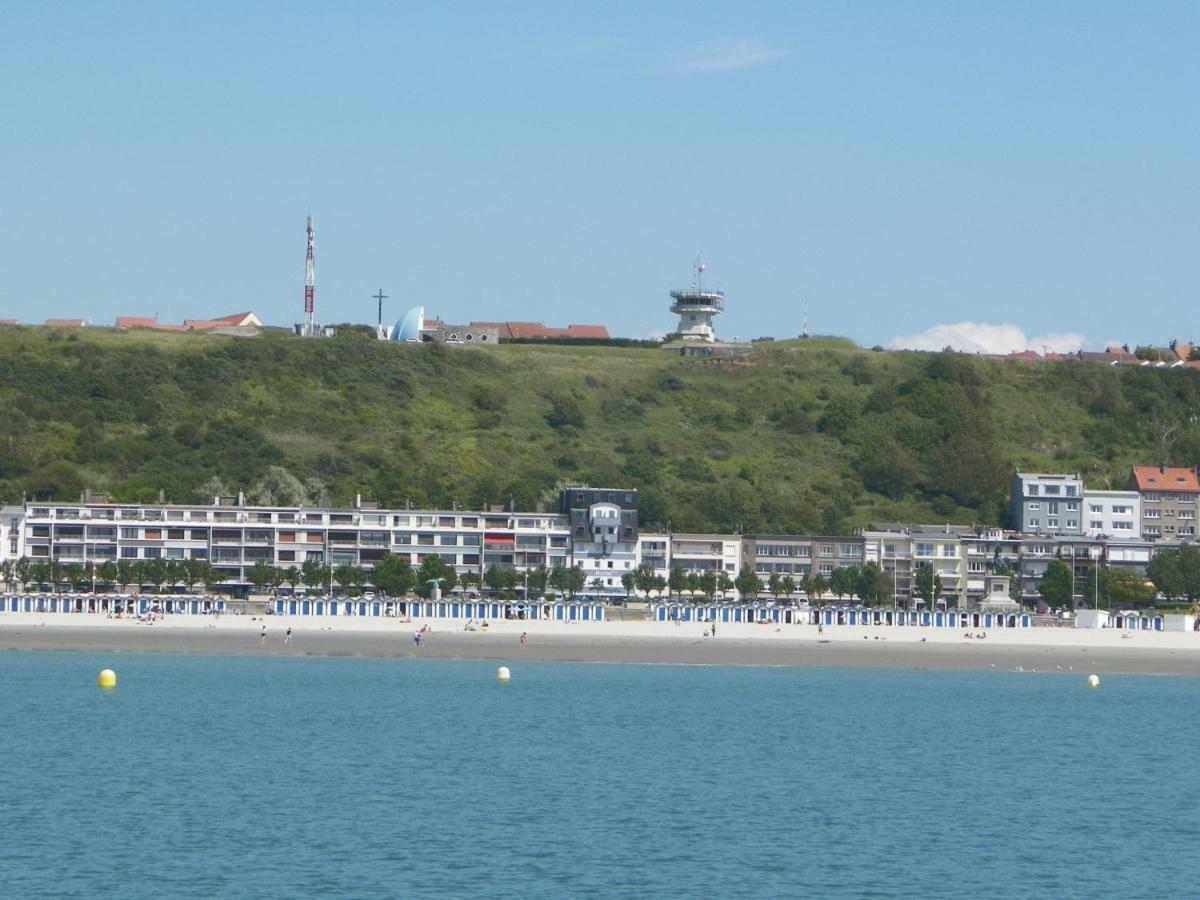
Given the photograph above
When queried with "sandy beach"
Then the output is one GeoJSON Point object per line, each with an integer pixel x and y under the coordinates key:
{"type": "Point", "coordinates": [1035, 649]}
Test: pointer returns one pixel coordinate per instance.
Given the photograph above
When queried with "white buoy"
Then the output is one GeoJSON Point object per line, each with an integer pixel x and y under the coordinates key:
{"type": "Point", "coordinates": [1093, 681]}
{"type": "Point", "coordinates": [502, 674]}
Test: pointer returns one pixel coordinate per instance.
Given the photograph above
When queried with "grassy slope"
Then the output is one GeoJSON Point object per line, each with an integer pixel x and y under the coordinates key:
{"type": "Point", "coordinates": [712, 446]}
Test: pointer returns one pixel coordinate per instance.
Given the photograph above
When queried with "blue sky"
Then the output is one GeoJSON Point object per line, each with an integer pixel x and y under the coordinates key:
{"type": "Point", "coordinates": [893, 167]}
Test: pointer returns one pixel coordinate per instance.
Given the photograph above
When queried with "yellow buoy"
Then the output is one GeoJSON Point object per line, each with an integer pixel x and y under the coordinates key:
{"type": "Point", "coordinates": [107, 678]}
{"type": "Point", "coordinates": [502, 674]}
{"type": "Point", "coordinates": [1093, 681]}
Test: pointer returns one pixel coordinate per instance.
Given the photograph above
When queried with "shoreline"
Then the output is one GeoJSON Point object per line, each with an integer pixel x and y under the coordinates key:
{"type": "Point", "coordinates": [1063, 650]}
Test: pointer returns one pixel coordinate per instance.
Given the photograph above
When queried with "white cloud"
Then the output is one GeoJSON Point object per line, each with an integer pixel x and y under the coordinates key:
{"type": "Point", "coordinates": [723, 55]}
{"type": "Point", "coordinates": [983, 337]}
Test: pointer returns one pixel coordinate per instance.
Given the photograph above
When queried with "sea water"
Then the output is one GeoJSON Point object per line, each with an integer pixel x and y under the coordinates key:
{"type": "Point", "coordinates": [244, 777]}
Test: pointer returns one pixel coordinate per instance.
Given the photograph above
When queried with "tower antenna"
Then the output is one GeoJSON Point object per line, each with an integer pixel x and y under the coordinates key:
{"type": "Point", "coordinates": [804, 330]}
{"type": "Point", "coordinates": [310, 286]}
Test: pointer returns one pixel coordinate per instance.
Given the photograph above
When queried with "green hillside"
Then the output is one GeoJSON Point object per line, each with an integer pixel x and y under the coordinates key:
{"type": "Point", "coordinates": [802, 436]}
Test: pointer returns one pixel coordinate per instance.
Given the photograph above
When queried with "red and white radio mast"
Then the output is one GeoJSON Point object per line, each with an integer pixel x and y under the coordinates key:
{"type": "Point", "coordinates": [310, 286]}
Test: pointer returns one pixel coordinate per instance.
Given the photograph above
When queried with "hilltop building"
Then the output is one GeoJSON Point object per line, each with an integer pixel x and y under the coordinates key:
{"type": "Point", "coordinates": [696, 308]}
{"type": "Point", "coordinates": [414, 327]}
{"type": "Point", "coordinates": [236, 323]}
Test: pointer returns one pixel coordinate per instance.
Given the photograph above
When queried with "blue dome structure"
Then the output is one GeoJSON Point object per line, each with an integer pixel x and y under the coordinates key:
{"type": "Point", "coordinates": [408, 328]}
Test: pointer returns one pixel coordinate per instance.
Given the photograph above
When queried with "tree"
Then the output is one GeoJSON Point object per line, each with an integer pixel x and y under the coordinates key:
{"type": "Point", "coordinates": [575, 580]}
{"type": "Point", "coordinates": [140, 573]}
{"type": "Point", "coordinates": [393, 576]}
{"type": "Point", "coordinates": [559, 578]}
{"type": "Point", "coordinates": [775, 584]}
{"type": "Point", "coordinates": [39, 573]}
{"type": "Point", "coordinates": [598, 585]}
{"type": "Point", "coordinates": [843, 581]}
{"type": "Point", "coordinates": [677, 580]}
{"type": "Point", "coordinates": [1118, 587]}
{"type": "Point", "coordinates": [1057, 584]}
{"type": "Point", "coordinates": [693, 584]}
{"type": "Point", "coordinates": [629, 582]}
{"type": "Point", "coordinates": [290, 576]}
{"type": "Point", "coordinates": [708, 583]}
{"type": "Point", "coordinates": [748, 584]}
{"type": "Point", "coordinates": [435, 569]}
{"type": "Point", "coordinates": [928, 584]}
{"type": "Point", "coordinates": [346, 575]}
{"type": "Point", "coordinates": [535, 581]}
{"type": "Point", "coordinates": [207, 575]}
{"type": "Point", "coordinates": [1176, 572]}
{"type": "Point", "coordinates": [73, 574]}
{"type": "Point", "coordinates": [644, 578]}
{"type": "Point", "coordinates": [496, 578]}
{"type": "Point", "coordinates": [660, 585]}
{"type": "Point", "coordinates": [724, 583]}
{"type": "Point", "coordinates": [788, 583]}
{"type": "Point", "coordinates": [259, 576]}
{"type": "Point", "coordinates": [124, 574]}
{"type": "Point", "coordinates": [7, 570]}
{"type": "Point", "coordinates": [874, 586]}
{"type": "Point", "coordinates": [21, 570]}
{"type": "Point", "coordinates": [155, 573]}
{"type": "Point", "coordinates": [279, 487]}
{"type": "Point", "coordinates": [176, 572]}
{"type": "Point", "coordinates": [314, 574]}
{"type": "Point", "coordinates": [106, 572]}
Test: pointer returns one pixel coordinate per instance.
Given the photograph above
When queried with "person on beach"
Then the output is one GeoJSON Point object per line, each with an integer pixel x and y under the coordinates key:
{"type": "Point", "coordinates": [287, 638]}
{"type": "Point", "coordinates": [714, 628]}
{"type": "Point", "coordinates": [417, 639]}
{"type": "Point", "coordinates": [524, 638]}
{"type": "Point", "coordinates": [262, 638]}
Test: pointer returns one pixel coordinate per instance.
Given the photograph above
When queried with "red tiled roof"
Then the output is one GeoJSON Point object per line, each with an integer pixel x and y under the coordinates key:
{"type": "Point", "coordinates": [1153, 478]}
{"type": "Point", "coordinates": [136, 322]}
{"type": "Point", "coordinates": [8, 321]}
{"type": "Point", "coordinates": [66, 323]}
{"type": "Point", "coordinates": [526, 329]}
{"type": "Point", "coordinates": [1024, 354]}
{"type": "Point", "coordinates": [587, 331]}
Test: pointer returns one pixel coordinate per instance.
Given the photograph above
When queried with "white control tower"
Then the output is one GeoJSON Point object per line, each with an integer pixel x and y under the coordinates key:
{"type": "Point", "coordinates": [696, 308]}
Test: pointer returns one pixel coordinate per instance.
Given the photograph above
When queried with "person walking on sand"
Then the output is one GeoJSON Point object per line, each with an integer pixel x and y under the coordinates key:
{"type": "Point", "coordinates": [524, 638]}
{"type": "Point", "coordinates": [287, 638]}
{"type": "Point", "coordinates": [262, 637]}
{"type": "Point", "coordinates": [714, 628]}
{"type": "Point", "coordinates": [417, 638]}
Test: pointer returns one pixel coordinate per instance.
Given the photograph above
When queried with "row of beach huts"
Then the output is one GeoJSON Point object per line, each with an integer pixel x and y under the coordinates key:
{"type": "Point", "coordinates": [574, 611]}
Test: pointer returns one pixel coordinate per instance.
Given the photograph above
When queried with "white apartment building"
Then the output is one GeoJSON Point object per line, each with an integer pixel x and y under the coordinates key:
{"type": "Point", "coordinates": [1115, 514]}
{"type": "Point", "coordinates": [234, 538]}
{"type": "Point", "coordinates": [701, 553]}
{"type": "Point", "coordinates": [654, 550]}
{"type": "Point", "coordinates": [12, 544]}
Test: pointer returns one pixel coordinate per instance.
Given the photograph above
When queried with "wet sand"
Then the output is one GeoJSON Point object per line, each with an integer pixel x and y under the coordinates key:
{"type": "Point", "coordinates": [504, 646]}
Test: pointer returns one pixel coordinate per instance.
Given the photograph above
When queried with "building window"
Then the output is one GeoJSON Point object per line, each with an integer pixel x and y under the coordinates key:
{"type": "Point", "coordinates": [1033, 490]}
{"type": "Point", "coordinates": [1096, 524]}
